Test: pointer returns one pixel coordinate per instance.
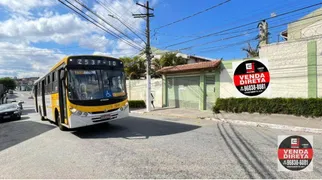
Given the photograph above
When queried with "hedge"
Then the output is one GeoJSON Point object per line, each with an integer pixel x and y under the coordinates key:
{"type": "Point", "coordinates": [311, 107]}
{"type": "Point", "coordinates": [137, 104]}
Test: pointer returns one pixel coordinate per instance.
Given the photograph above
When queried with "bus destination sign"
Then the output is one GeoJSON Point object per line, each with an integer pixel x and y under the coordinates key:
{"type": "Point", "coordinates": [95, 62]}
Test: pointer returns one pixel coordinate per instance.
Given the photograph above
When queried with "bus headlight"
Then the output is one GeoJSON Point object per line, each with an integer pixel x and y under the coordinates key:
{"type": "Point", "coordinates": [77, 112]}
{"type": "Point", "coordinates": [73, 110]}
{"type": "Point", "coordinates": [124, 107]}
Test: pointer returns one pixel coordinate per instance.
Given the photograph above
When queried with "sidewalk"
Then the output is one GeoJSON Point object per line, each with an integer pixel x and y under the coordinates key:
{"type": "Point", "coordinates": [276, 121]}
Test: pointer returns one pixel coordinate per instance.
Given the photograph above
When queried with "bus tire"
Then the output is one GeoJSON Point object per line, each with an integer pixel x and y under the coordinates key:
{"type": "Point", "coordinates": [59, 124]}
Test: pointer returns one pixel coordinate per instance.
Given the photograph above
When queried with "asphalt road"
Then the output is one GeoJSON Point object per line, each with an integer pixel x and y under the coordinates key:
{"type": "Point", "coordinates": [142, 147]}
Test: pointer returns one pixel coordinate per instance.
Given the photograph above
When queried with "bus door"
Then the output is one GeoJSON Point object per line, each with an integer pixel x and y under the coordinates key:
{"type": "Point", "coordinates": [62, 95]}
{"type": "Point", "coordinates": [35, 91]}
{"type": "Point", "coordinates": [43, 98]}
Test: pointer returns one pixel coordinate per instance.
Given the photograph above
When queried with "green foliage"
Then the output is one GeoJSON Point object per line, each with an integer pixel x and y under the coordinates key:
{"type": "Point", "coordinates": [9, 83]}
{"type": "Point", "coordinates": [168, 59]}
{"type": "Point", "coordinates": [156, 64]}
{"type": "Point", "coordinates": [134, 67]}
{"type": "Point", "coordinates": [171, 59]}
{"type": "Point", "coordinates": [136, 104]}
{"type": "Point", "coordinates": [295, 106]}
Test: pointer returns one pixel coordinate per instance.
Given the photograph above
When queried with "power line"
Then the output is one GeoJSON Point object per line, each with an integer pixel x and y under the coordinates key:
{"type": "Point", "coordinates": [195, 14]}
{"type": "Point", "coordinates": [87, 8]}
{"type": "Point", "coordinates": [232, 37]}
{"type": "Point", "coordinates": [212, 49]}
{"type": "Point", "coordinates": [109, 9]}
{"type": "Point", "coordinates": [195, 35]}
{"type": "Point", "coordinates": [254, 14]}
{"type": "Point", "coordinates": [96, 23]}
{"type": "Point", "coordinates": [128, 28]}
{"type": "Point", "coordinates": [244, 25]}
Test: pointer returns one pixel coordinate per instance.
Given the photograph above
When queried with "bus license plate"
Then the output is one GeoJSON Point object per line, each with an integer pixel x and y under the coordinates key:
{"type": "Point", "coordinates": [107, 116]}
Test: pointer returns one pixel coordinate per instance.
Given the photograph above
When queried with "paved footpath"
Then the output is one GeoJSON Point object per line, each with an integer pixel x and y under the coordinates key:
{"type": "Point", "coordinates": [276, 121]}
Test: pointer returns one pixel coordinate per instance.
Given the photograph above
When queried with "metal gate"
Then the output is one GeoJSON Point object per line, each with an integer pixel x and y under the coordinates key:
{"type": "Point", "coordinates": [184, 92]}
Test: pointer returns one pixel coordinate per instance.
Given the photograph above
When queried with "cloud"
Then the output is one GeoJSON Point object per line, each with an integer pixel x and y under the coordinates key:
{"type": "Point", "coordinates": [23, 8]}
{"type": "Point", "coordinates": [96, 42]}
{"type": "Point", "coordinates": [122, 11]}
{"type": "Point", "coordinates": [61, 29]}
{"type": "Point", "coordinates": [120, 50]}
{"type": "Point", "coordinates": [21, 60]}
{"type": "Point", "coordinates": [38, 23]}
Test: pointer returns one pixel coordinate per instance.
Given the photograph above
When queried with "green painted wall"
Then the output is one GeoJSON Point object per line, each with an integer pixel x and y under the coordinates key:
{"type": "Point", "coordinates": [312, 69]}
{"type": "Point", "coordinates": [227, 64]}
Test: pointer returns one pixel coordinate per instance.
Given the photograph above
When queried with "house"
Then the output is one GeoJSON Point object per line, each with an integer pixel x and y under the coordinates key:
{"type": "Point", "coordinates": [25, 84]}
{"type": "Point", "coordinates": [157, 54]}
{"type": "Point", "coordinates": [306, 27]}
{"type": "Point", "coordinates": [191, 86]}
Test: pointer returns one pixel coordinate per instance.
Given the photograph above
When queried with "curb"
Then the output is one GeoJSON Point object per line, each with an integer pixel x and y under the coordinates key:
{"type": "Point", "coordinates": [167, 115]}
{"type": "Point", "coordinates": [137, 112]}
{"type": "Point", "coordinates": [268, 125]}
{"type": "Point", "coordinates": [249, 123]}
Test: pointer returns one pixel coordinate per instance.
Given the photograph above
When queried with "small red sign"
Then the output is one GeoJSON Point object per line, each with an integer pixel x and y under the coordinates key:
{"type": "Point", "coordinates": [295, 153]}
{"type": "Point", "coordinates": [251, 78]}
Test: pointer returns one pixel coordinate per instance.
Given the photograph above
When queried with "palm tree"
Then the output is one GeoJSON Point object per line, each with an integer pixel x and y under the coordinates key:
{"type": "Point", "coordinates": [167, 59]}
{"type": "Point", "coordinates": [252, 52]}
{"type": "Point", "coordinates": [171, 59]}
{"type": "Point", "coordinates": [134, 67]}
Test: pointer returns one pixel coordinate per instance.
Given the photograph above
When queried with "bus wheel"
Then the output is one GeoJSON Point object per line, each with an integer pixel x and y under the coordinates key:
{"type": "Point", "coordinates": [59, 124]}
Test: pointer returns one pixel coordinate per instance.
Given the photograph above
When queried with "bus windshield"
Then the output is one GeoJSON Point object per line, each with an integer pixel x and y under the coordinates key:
{"type": "Point", "coordinates": [95, 84]}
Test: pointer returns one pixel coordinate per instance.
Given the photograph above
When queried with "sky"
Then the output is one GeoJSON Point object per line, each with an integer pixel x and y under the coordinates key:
{"type": "Point", "coordinates": [36, 34]}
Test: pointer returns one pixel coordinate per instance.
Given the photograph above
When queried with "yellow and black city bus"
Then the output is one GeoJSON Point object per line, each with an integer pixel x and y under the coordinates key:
{"type": "Point", "coordinates": [82, 90]}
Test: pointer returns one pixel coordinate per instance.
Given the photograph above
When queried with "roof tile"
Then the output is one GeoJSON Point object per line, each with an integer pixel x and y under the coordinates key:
{"type": "Point", "coordinates": [191, 67]}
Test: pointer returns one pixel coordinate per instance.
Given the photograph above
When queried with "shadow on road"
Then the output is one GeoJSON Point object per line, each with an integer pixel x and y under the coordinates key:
{"type": "Point", "coordinates": [28, 111]}
{"type": "Point", "coordinates": [133, 127]}
{"type": "Point", "coordinates": [14, 133]}
{"type": "Point", "coordinates": [10, 120]}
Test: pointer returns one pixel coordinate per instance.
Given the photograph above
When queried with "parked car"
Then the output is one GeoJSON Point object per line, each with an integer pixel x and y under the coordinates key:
{"type": "Point", "coordinates": [10, 91]}
{"type": "Point", "coordinates": [11, 111]}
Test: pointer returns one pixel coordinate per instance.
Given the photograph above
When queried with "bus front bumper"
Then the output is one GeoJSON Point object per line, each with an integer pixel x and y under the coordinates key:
{"type": "Point", "coordinates": [76, 121]}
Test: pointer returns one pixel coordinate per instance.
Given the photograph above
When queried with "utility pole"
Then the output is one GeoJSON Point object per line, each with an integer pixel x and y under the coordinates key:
{"type": "Point", "coordinates": [147, 51]}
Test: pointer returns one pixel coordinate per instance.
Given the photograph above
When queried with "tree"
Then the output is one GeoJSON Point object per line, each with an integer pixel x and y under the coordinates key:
{"type": "Point", "coordinates": [156, 65]}
{"type": "Point", "coordinates": [262, 38]}
{"type": "Point", "coordinates": [134, 67]}
{"type": "Point", "coordinates": [252, 52]}
{"type": "Point", "coordinates": [168, 59]}
{"type": "Point", "coordinates": [9, 83]}
{"type": "Point", "coordinates": [171, 59]}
